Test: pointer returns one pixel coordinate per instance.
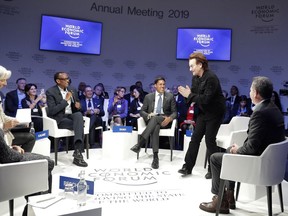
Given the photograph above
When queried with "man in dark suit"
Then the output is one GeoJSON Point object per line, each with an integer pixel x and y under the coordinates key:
{"type": "Point", "coordinates": [182, 109]}
{"type": "Point", "coordinates": [266, 126]}
{"type": "Point", "coordinates": [158, 111]}
{"type": "Point", "coordinates": [13, 98]}
{"type": "Point", "coordinates": [206, 92]}
{"type": "Point", "coordinates": [64, 107]}
{"type": "Point", "coordinates": [92, 108]}
{"type": "Point", "coordinates": [130, 96]}
{"type": "Point", "coordinates": [234, 101]}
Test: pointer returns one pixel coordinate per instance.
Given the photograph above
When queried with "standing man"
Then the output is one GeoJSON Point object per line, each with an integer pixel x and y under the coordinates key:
{"type": "Point", "coordinates": [93, 109]}
{"type": "Point", "coordinates": [63, 106]}
{"type": "Point", "coordinates": [13, 98]}
{"type": "Point", "coordinates": [266, 126]}
{"type": "Point", "coordinates": [158, 111]}
{"type": "Point", "coordinates": [206, 92]}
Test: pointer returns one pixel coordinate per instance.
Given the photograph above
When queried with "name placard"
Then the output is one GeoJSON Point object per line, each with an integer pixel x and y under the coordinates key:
{"type": "Point", "coordinates": [189, 133]}
{"type": "Point", "coordinates": [64, 179]}
{"type": "Point", "coordinates": [123, 129]}
{"type": "Point", "coordinates": [42, 134]}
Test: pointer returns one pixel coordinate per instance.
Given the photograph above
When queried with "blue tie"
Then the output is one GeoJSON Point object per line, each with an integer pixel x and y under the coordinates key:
{"type": "Point", "coordinates": [159, 104]}
{"type": "Point", "coordinates": [89, 103]}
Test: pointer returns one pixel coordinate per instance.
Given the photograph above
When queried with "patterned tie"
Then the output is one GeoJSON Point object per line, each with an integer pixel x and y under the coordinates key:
{"type": "Point", "coordinates": [89, 103]}
{"type": "Point", "coordinates": [158, 109]}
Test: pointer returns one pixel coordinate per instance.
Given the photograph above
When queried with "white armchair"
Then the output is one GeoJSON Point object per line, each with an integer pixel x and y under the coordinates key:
{"type": "Point", "coordinates": [234, 132]}
{"type": "Point", "coordinates": [267, 170]}
{"type": "Point", "coordinates": [170, 132]}
{"type": "Point", "coordinates": [51, 125]}
{"type": "Point", "coordinates": [22, 178]}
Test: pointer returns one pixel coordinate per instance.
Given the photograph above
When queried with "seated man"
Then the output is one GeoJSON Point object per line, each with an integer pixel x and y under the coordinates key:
{"type": "Point", "coordinates": [20, 136]}
{"type": "Point", "coordinates": [158, 111]}
{"type": "Point", "coordinates": [266, 126]}
{"type": "Point", "coordinates": [92, 108]}
{"type": "Point", "coordinates": [63, 106]}
{"type": "Point", "coordinates": [13, 98]}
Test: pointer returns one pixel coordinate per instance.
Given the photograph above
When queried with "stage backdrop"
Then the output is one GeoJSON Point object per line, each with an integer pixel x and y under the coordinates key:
{"type": "Point", "coordinates": [139, 41]}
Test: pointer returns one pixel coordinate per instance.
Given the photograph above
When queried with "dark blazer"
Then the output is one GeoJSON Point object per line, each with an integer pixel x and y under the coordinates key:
{"type": "Point", "coordinates": [169, 105]}
{"type": "Point", "coordinates": [266, 126]}
{"type": "Point", "coordinates": [182, 108]}
{"type": "Point", "coordinates": [207, 93]}
{"type": "Point", "coordinates": [11, 103]}
{"type": "Point", "coordinates": [56, 104]}
{"type": "Point", "coordinates": [97, 103]}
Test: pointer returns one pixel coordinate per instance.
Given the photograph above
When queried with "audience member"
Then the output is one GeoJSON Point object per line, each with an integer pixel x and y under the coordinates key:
{"type": "Point", "coordinates": [227, 115]}
{"type": "Point", "coordinates": [189, 123]}
{"type": "Point", "coordinates": [92, 108]}
{"type": "Point", "coordinates": [64, 107]}
{"type": "Point", "coordinates": [244, 109]}
{"type": "Point", "coordinates": [135, 107]}
{"type": "Point", "coordinates": [130, 96]}
{"type": "Point", "coordinates": [151, 88]}
{"type": "Point", "coordinates": [13, 98]}
{"type": "Point", "coordinates": [234, 100]}
{"type": "Point", "coordinates": [276, 100]}
{"type": "Point", "coordinates": [81, 89]}
{"type": "Point", "coordinates": [105, 94]}
{"type": "Point", "coordinates": [158, 111]}
{"type": "Point", "coordinates": [118, 106]}
{"type": "Point", "coordinates": [20, 140]}
{"type": "Point", "coordinates": [266, 126]}
{"type": "Point", "coordinates": [35, 103]}
{"type": "Point", "coordinates": [206, 92]}
{"type": "Point", "coordinates": [139, 84]}
{"type": "Point", "coordinates": [182, 108]}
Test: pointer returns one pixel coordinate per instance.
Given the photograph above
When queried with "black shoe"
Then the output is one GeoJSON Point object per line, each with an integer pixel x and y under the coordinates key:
{"type": "Point", "coordinates": [208, 175]}
{"type": "Point", "coordinates": [136, 148]}
{"type": "Point", "coordinates": [80, 162]}
{"type": "Point", "coordinates": [155, 163]}
{"type": "Point", "coordinates": [77, 154]}
{"type": "Point", "coordinates": [185, 171]}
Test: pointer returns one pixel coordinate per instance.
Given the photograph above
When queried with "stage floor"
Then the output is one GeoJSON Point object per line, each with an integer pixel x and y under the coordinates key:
{"type": "Point", "coordinates": [132, 187]}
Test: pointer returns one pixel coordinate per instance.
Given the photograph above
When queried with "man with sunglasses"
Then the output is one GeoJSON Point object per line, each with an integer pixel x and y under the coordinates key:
{"type": "Point", "coordinates": [64, 106]}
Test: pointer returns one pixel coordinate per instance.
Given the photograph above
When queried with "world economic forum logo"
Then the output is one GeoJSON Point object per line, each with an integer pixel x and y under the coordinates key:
{"type": "Point", "coordinates": [266, 13]}
{"type": "Point", "coordinates": [203, 39]}
{"type": "Point", "coordinates": [129, 176]}
{"type": "Point", "coordinates": [73, 31]}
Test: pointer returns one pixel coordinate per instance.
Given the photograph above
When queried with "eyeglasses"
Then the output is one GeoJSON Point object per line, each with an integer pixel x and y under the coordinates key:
{"type": "Point", "coordinates": [68, 78]}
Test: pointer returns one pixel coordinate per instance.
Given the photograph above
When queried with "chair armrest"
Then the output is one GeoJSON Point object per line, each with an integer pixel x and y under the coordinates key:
{"type": "Point", "coordinates": [23, 178]}
{"type": "Point", "coordinates": [241, 168]}
{"type": "Point", "coordinates": [238, 137]}
{"type": "Point", "coordinates": [141, 125]}
{"type": "Point", "coordinates": [51, 125]}
{"type": "Point", "coordinates": [224, 130]}
{"type": "Point", "coordinates": [86, 124]}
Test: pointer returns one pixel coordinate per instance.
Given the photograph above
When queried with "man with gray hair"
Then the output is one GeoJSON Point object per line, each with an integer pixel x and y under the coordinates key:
{"type": "Point", "coordinates": [266, 126]}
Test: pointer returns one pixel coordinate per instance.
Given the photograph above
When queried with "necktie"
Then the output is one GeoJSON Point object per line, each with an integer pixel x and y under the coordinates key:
{"type": "Point", "coordinates": [159, 104]}
{"type": "Point", "coordinates": [89, 103]}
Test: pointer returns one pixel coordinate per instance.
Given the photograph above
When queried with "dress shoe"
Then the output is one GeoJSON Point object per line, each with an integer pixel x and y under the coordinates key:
{"type": "Point", "coordinates": [185, 171]}
{"type": "Point", "coordinates": [77, 154]}
{"type": "Point", "coordinates": [211, 206]}
{"type": "Point", "coordinates": [208, 175]}
{"type": "Point", "coordinates": [79, 162]}
{"type": "Point", "coordinates": [136, 148]}
{"type": "Point", "coordinates": [155, 163]}
{"type": "Point", "coordinates": [231, 199]}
